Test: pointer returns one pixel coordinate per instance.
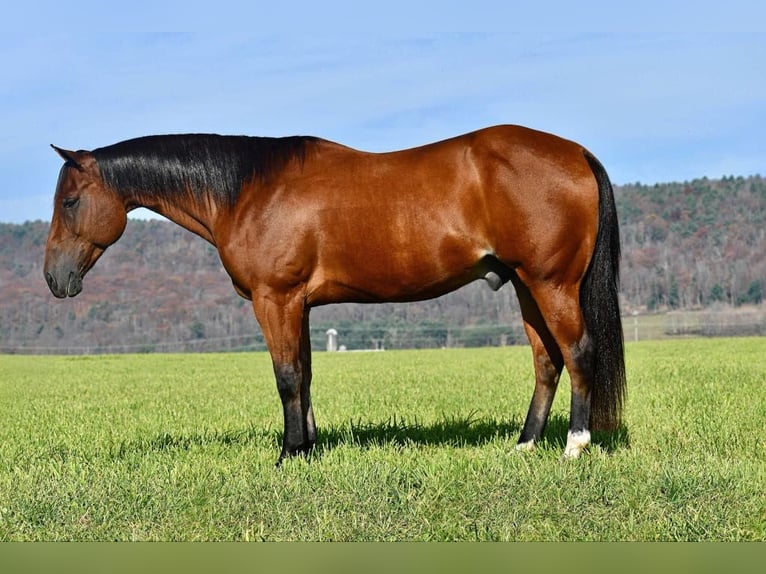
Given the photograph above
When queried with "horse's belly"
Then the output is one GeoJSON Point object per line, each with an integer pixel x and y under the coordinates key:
{"type": "Point", "coordinates": [395, 276]}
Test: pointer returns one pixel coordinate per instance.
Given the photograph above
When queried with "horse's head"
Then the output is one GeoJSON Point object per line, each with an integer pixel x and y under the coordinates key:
{"type": "Point", "coordinates": [87, 218]}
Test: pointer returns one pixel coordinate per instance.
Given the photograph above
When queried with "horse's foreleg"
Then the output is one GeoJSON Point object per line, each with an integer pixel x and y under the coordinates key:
{"type": "Point", "coordinates": [284, 321]}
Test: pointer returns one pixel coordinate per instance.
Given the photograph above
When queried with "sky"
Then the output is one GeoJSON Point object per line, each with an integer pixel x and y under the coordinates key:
{"type": "Point", "coordinates": [658, 91]}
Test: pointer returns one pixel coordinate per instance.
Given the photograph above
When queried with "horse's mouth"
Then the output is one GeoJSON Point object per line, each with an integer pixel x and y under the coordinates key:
{"type": "Point", "coordinates": [69, 288]}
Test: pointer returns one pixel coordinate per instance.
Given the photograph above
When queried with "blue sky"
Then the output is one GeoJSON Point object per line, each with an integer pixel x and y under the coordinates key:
{"type": "Point", "coordinates": [657, 92]}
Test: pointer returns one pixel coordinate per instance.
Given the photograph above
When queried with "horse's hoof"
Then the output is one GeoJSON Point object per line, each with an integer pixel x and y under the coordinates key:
{"type": "Point", "coordinates": [528, 446]}
{"type": "Point", "coordinates": [577, 442]}
{"type": "Point", "coordinates": [304, 451]}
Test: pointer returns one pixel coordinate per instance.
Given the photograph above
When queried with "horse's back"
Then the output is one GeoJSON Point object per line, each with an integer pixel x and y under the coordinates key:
{"type": "Point", "coordinates": [416, 223]}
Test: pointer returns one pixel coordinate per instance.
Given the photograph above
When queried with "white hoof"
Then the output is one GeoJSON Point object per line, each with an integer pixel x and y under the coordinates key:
{"type": "Point", "coordinates": [576, 443]}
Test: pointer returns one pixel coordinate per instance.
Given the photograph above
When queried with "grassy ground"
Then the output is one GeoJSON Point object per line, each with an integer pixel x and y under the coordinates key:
{"type": "Point", "coordinates": [414, 445]}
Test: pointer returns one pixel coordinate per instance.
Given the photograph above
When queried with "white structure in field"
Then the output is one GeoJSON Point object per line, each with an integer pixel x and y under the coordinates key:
{"type": "Point", "coordinates": [332, 340]}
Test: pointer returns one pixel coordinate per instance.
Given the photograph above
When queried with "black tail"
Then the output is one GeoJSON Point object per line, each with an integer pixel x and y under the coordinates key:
{"type": "Point", "coordinates": [601, 310]}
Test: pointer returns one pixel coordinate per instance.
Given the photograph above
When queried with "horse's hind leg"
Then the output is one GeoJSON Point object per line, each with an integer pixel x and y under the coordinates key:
{"type": "Point", "coordinates": [560, 308]}
{"type": "Point", "coordinates": [548, 364]}
{"type": "Point", "coordinates": [307, 410]}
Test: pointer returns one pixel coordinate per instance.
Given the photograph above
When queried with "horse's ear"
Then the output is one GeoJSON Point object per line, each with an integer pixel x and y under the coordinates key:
{"type": "Point", "coordinates": [74, 157]}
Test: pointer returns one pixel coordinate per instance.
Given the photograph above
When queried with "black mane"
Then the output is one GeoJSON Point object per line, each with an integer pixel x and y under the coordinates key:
{"type": "Point", "coordinates": [196, 164]}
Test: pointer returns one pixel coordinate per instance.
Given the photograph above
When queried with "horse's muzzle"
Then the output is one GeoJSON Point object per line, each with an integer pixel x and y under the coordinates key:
{"type": "Point", "coordinates": [70, 287]}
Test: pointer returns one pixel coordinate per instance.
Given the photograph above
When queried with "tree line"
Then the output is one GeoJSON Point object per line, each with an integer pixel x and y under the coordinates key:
{"type": "Point", "coordinates": [694, 244]}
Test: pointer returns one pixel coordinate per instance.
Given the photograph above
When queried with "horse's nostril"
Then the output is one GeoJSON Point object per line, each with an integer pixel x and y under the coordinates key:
{"type": "Point", "coordinates": [74, 284]}
{"type": "Point", "coordinates": [51, 281]}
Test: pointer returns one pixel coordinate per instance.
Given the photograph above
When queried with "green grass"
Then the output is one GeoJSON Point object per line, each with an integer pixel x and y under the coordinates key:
{"type": "Point", "coordinates": [414, 445]}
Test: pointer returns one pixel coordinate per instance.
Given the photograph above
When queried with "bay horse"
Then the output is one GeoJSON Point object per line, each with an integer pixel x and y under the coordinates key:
{"type": "Point", "coordinates": [301, 222]}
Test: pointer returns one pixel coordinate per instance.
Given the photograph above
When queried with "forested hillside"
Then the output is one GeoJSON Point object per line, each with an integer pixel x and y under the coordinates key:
{"type": "Point", "coordinates": [693, 244]}
{"type": "Point", "coordinates": [685, 245]}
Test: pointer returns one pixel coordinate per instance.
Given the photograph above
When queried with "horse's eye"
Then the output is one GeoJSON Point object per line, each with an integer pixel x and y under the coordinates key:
{"type": "Point", "coordinates": [71, 202]}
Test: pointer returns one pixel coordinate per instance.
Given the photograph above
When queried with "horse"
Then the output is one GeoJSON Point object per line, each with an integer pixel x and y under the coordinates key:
{"type": "Point", "coordinates": [301, 222]}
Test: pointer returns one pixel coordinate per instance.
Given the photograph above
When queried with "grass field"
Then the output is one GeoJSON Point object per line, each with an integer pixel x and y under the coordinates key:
{"type": "Point", "coordinates": [414, 445]}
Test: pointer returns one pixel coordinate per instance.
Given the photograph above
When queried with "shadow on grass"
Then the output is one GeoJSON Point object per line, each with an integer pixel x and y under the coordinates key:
{"type": "Point", "coordinates": [458, 431]}
{"type": "Point", "coordinates": [455, 431]}
{"type": "Point", "coordinates": [168, 441]}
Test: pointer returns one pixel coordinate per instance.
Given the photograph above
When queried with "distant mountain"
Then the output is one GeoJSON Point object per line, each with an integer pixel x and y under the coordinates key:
{"type": "Point", "coordinates": [160, 288]}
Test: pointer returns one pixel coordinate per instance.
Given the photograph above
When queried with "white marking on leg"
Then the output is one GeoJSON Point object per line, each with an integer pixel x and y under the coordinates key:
{"type": "Point", "coordinates": [526, 446]}
{"type": "Point", "coordinates": [576, 443]}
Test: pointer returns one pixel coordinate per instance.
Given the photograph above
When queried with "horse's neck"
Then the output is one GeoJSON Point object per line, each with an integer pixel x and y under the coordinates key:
{"type": "Point", "coordinates": [197, 218]}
